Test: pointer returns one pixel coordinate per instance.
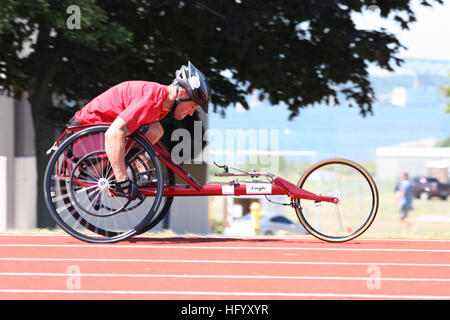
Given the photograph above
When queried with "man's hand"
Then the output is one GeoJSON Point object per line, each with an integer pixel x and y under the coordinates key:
{"type": "Point", "coordinates": [129, 189]}
{"type": "Point", "coordinates": [115, 148]}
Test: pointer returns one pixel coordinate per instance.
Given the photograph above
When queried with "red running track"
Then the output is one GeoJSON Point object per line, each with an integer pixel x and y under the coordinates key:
{"type": "Point", "coordinates": [210, 268]}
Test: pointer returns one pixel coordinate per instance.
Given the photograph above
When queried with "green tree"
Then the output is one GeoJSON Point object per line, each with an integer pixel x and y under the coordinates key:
{"type": "Point", "coordinates": [296, 52]}
{"type": "Point", "coordinates": [446, 93]}
{"type": "Point", "coordinates": [444, 143]}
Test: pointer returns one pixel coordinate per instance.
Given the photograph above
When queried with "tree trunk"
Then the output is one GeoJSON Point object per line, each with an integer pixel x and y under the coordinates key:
{"type": "Point", "coordinates": [44, 139]}
{"type": "Point", "coordinates": [45, 67]}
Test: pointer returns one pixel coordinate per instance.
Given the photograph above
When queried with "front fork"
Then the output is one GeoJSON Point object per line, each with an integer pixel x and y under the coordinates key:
{"type": "Point", "coordinates": [295, 192]}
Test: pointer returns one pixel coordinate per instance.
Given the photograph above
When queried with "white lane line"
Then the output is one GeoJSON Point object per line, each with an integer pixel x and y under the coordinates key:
{"type": "Point", "coordinates": [202, 276]}
{"type": "Point", "coordinates": [127, 260]}
{"type": "Point", "coordinates": [106, 246]}
{"type": "Point", "coordinates": [239, 294]}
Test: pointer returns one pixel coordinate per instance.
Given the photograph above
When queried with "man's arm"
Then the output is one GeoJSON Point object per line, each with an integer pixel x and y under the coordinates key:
{"type": "Point", "coordinates": [400, 192]}
{"type": "Point", "coordinates": [115, 147]}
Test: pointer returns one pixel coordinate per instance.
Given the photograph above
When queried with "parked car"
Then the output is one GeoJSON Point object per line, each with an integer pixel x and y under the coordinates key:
{"type": "Point", "coordinates": [271, 224]}
{"type": "Point", "coordinates": [427, 187]}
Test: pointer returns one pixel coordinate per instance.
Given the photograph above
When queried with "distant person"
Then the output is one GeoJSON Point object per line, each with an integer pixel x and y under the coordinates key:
{"type": "Point", "coordinates": [404, 197]}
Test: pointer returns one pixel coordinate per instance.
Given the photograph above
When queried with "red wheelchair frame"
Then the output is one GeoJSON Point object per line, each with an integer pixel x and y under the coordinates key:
{"type": "Point", "coordinates": [278, 186]}
{"type": "Point", "coordinates": [62, 171]}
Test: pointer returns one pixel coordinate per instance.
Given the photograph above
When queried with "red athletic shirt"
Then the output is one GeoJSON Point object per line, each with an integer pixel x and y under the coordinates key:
{"type": "Point", "coordinates": [135, 102]}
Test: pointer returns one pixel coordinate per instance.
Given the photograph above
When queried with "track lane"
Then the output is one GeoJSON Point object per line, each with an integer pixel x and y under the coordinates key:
{"type": "Point", "coordinates": [232, 267]}
{"type": "Point", "coordinates": [280, 287]}
{"type": "Point", "coordinates": [219, 241]}
{"type": "Point", "coordinates": [234, 253]}
{"type": "Point", "coordinates": [214, 267]}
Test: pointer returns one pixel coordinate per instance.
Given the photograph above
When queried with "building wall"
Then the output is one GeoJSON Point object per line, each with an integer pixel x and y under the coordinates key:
{"type": "Point", "coordinates": [392, 161]}
{"type": "Point", "coordinates": [23, 129]}
{"type": "Point", "coordinates": [189, 214]}
{"type": "Point", "coordinates": [3, 194]}
{"type": "Point", "coordinates": [25, 172]}
{"type": "Point", "coordinates": [7, 151]}
{"type": "Point", "coordinates": [17, 146]}
{"type": "Point", "coordinates": [440, 173]}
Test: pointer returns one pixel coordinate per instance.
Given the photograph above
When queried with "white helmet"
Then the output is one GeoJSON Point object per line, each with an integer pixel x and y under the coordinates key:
{"type": "Point", "coordinates": [195, 84]}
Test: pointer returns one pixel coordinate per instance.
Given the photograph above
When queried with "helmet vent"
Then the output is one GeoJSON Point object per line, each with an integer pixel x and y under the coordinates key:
{"type": "Point", "coordinates": [194, 81]}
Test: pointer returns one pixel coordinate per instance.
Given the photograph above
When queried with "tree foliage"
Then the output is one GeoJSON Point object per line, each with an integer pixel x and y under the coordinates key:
{"type": "Point", "coordinates": [295, 52]}
{"type": "Point", "coordinates": [446, 93]}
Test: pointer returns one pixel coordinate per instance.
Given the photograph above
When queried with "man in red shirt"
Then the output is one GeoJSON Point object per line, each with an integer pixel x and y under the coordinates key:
{"type": "Point", "coordinates": [132, 104]}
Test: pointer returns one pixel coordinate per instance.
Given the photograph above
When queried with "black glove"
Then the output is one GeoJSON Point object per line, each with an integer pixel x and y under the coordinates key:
{"type": "Point", "coordinates": [129, 189]}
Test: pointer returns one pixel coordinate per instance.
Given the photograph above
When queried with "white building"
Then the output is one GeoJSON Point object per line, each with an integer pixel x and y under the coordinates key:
{"type": "Point", "coordinates": [392, 161]}
{"type": "Point", "coordinates": [18, 175]}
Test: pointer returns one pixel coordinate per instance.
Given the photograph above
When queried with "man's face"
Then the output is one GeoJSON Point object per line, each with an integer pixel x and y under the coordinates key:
{"type": "Point", "coordinates": [184, 109]}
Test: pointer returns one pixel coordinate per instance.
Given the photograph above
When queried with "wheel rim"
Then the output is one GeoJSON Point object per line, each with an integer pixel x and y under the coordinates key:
{"type": "Point", "coordinates": [65, 196]}
{"type": "Point", "coordinates": [97, 187]}
{"type": "Point", "coordinates": [358, 200]}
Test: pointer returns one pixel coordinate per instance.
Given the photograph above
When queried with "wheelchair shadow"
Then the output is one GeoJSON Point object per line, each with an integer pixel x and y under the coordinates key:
{"type": "Point", "coordinates": [143, 239]}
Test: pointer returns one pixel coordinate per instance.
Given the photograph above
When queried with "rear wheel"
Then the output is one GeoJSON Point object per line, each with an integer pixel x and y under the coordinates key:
{"type": "Point", "coordinates": [357, 206]}
{"type": "Point", "coordinates": [79, 187]}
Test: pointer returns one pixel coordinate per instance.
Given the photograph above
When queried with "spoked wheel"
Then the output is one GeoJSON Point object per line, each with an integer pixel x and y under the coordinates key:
{"type": "Point", "coordinates": [92, 176]}
{"type": "Point", "coordinates": [357, 194]}
{"type": "Point", "coordinates": [79, 188]}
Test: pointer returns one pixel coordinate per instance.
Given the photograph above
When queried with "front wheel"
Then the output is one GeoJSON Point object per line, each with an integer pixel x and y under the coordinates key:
{"type": "Point", "coordinates": [357, 194]}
